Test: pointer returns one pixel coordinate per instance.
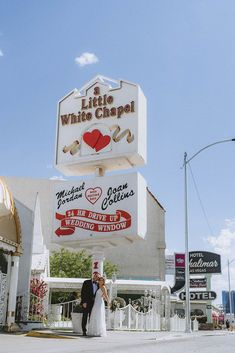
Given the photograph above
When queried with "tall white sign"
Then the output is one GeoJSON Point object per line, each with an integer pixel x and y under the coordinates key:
{"type": "Point", "coordinates": [101, 126]}
{"type": "Point", "coordinates": [103, 210]}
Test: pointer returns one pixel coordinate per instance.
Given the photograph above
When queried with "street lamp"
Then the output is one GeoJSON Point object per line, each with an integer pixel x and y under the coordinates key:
{"type": "Point", "coordinates": [187, 285]}
{"type": "Point", "coordinates": [229, 291]}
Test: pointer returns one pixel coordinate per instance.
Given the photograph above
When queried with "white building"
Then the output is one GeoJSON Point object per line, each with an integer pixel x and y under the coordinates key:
{"type": "Point", "coordinates": [10, 252]}
{"type": "Point", "coordinates": [142, 260]}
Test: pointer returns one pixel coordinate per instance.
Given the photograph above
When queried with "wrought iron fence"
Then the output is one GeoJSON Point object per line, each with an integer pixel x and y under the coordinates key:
{"type": "Point", "coordinates": [3, 297]}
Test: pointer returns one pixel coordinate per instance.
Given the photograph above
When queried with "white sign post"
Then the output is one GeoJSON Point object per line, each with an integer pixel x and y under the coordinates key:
{"type": "Point", "coordinates": [101, 127]}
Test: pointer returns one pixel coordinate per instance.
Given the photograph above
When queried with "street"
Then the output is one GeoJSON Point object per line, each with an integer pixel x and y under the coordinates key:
{"type": "Point", "coordinates": [138, 342]}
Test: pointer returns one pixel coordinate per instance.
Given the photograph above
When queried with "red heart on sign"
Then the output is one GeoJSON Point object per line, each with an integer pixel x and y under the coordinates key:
{"type": "Point", "coordinates": [96, 140]}
{"type": "Point", "coordinates": [92, 137]}
{"type": "Point", "coordinates": [102, 142]}
{"type": "Point", "coordinates": [93, 194]}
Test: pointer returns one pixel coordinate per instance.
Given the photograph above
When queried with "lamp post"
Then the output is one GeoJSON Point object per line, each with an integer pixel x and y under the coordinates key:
{"type": "Point", "coordinates": [229, 291]}
{"type": "Point", "coordinates": [187, 274]}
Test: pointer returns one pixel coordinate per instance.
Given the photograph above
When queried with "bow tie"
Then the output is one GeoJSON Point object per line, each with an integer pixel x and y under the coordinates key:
{"type": "Point", "coordinates": [94, 282]}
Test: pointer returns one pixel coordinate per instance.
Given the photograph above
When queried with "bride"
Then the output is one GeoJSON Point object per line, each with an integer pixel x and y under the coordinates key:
{"type": "Point", "coordinates": [97, 325]}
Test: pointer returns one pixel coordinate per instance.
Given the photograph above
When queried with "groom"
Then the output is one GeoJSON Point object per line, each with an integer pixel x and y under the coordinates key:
{"type": "Point", "coordinates": [88, 292]}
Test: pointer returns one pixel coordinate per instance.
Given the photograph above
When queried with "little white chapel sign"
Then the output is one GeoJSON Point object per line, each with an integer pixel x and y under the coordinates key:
{"type": "Point", "coordinates": [101, 125]}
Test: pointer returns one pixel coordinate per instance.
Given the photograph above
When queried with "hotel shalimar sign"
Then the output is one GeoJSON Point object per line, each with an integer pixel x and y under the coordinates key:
{"type": "Point", "coordinates": [101, 125]}
{"type": "Point", "coordinates": [102, 211]}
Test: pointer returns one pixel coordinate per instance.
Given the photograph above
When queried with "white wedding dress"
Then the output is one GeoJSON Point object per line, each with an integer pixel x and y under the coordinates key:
{"type": "Point", "coordinates": [97, 325]}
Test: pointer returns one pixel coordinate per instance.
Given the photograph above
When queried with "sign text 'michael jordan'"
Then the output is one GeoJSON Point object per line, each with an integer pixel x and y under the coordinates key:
{"type": "Point", "coordinates": [104, 106]}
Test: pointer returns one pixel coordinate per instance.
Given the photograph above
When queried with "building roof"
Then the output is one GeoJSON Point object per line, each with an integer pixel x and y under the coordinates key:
{"type": "Point", "coordinates": [122, 284]}
{"type": "Point", "coordinates": [150, 193]}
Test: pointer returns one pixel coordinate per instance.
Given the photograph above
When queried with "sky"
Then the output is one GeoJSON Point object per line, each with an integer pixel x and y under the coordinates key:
{"type": "Point", "coordinates": [181, 53]}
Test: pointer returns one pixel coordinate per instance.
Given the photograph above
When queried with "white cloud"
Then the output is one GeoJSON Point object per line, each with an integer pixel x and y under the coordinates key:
{"type": "Point", "coordinates": [169, 251]}
{"type": "Point", "coordinates": [57, 177]}
{"type": "Point", "coordinates": [230, 223]}
{"type": "Point", "coordinates": [86, 59]}
{"type": "Point", "coordinates": [1, 52]}
{"type": "Point", "coordinates": [224, 244]}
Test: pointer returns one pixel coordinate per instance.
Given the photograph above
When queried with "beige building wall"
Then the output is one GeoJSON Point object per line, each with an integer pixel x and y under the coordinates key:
{"type": "Point", "coordinates": [144, 259]}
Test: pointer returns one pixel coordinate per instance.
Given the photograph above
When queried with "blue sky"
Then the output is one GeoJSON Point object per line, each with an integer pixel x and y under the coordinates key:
{"type": "Point", "coordinates": [181, 53]}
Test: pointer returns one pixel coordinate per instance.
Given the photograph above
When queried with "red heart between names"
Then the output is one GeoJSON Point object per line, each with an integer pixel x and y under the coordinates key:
{"type": "Point", "coordinates": [92, 137]}
{"type": "Point", "coordinates": [93, 194]}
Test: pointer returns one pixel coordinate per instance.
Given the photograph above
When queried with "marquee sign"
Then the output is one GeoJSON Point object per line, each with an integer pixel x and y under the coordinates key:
{"type": "Point", "coordinates": [200, 262]}
{"type": "Point", "coordinates": [101, 125]}
{"type": "Point", "coordinates": [199, 295]}
{"type": "Point", "coordinates": [198, 282]}
{"type": "Point", "coordinates": [109, 209]}
{"type": "Point", "coordinates": [169, 264]}
{"type": "Point", "coordinates": [204, 262]}
{"type": "Point", "coordinates": [179, 260]}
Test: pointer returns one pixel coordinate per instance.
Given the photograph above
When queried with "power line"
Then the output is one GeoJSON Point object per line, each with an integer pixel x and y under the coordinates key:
{"type": "Point", "coordinates": [200, 201]}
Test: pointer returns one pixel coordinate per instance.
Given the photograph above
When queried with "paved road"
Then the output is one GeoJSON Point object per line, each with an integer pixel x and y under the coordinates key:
{"type": "Point", "coordinates": [123, 342]}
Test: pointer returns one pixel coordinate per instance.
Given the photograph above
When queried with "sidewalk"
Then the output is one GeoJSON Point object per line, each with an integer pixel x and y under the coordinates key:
{"type": "Point", "coordinates": [53, 341]}
{"type": "Point", "coordinates": [158, 336]}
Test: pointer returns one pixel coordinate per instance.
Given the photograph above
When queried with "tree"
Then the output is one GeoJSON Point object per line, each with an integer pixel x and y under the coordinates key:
{"type": "Point", "coordinates": [70, 264]}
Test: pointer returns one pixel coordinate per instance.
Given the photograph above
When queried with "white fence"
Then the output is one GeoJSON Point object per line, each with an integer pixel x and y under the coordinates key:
{"type": "Point", "coordinates": [59, 315]}
{"type": "Point", "coordinates": [127, 318]}
{"type": "Point", "coordinates": [178, 324]}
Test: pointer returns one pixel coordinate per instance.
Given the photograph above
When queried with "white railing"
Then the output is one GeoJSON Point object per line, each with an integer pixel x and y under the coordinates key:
{"type": "Point", "coordinates": [123, 319]}
{"type": "Point", "coordinates": [128, 318]}
{"type": "Point", "coordinates": [59, 315]}
{"type": "Point", "coordinates": [178, 324]}
{"type": "Point", "coordinates": [195, 325]}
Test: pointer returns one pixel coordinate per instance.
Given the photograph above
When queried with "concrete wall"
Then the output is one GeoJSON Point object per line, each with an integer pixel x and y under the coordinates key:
{"type": "Point", "coordinates": [26, 190]}
{"type": "Point", "coordinates": [144, 259]}
{"type": "Point", "coordinates": [18, 280]}
{"type": "Point", "coordinates": [26, 220]}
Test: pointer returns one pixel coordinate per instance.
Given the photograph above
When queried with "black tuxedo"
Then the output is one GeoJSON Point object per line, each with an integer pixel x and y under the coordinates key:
{"type": "Point", "coordinates": [88, 297]}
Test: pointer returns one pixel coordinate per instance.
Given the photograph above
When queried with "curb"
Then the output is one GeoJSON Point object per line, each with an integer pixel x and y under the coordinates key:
{"type": "Point", "coordinates": [179, 335]}
{"type": "Point", "coordinates": [37, 334]}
